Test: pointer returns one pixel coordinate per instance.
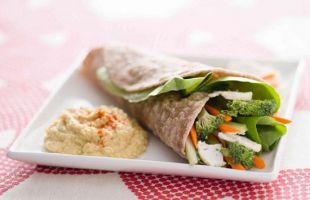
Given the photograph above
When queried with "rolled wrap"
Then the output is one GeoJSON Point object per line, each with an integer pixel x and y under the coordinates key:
{"type": "Point", "coordinates": [169, 116]}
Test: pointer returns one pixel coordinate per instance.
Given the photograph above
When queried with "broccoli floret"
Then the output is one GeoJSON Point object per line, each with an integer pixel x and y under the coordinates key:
{"type": "Point", "coordinates": [251, 108]}
{"type": "Point", "coordinates": [239, 154]}
{"type": "Point", "coordinates": [207, 124]}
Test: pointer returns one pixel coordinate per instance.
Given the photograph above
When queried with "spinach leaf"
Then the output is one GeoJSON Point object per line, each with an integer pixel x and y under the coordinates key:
{"type": "Point", "coordinates": [185, 85]}
{"type": "Point", "coordinates": [263, 130]}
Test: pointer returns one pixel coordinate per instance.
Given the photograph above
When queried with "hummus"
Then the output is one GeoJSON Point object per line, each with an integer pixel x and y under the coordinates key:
{"type": "Point", "coordinates": [104, 131]}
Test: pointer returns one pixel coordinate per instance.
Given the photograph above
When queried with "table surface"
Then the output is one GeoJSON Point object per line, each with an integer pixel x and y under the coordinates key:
{"type": "Point", "coordinates": [39, 40]}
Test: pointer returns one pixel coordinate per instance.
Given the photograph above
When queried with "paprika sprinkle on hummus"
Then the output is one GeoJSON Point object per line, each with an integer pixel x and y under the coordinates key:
{"type": "Point", "coordinates": [103, 131]}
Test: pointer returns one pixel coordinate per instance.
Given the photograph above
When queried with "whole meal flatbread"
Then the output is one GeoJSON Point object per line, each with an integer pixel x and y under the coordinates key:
{"type": "Point", "coordinates": [169, 116]}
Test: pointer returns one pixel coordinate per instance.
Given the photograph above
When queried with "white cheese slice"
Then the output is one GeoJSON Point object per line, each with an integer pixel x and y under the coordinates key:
{"type": "Point", "coordinates": [232, 95]}
{"type": "Point", "coordinates": [210, 154]}
{"type": "Point", "coordinates": [241, 140]}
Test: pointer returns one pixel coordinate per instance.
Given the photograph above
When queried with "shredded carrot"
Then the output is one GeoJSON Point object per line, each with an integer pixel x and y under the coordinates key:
{"type": "Point", "coordinates": [282, 120]}
{"type": "Point", "coordinates": [216, 112]}
{"type": "Point", "coordinates": [225, 128]}
{"type": "Point", "coordinates": [269, 76]}
{"type": "Point", "coordinates": [212, 110]}
{"type": "Point", "coordinates": [237, 166]}
{"type": "Point", "coordinates": [227, 118]}
{"type": "Point", "coordinates": [194, 136]}
{"type": "Point", "coordinates": [275, 83]}
{"type": "Point", "coordinates": [258, 162]}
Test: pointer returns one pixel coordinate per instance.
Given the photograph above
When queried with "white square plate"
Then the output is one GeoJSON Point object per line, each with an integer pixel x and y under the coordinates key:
{"type": "Point", "coordinates": [158, 158]}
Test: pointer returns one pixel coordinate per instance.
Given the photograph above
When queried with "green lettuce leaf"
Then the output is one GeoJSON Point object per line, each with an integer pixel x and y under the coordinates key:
{"type": "Point", "coordinates": [261, 90]}
{"type": "Point", "coordinates": [185, 85]}
{"type": "Point", "coordinates": [263, 130]}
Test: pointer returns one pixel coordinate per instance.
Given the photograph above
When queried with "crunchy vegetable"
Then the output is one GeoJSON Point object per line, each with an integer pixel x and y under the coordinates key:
{"type": "Point", "coordinates": [239, 154]}
{"type": "Point", "coordinates": [261, 90]}
{"type": "Point", "coordinates": [241, 127]}
{"type": "Point", "coordinates": [250, 108]}
{"type": "Point", "coordinates": [227, 118]}
{"type": "Point", "coordinates": [190, 152]}
{"type": "Point", "coordinates": [212, 110]}
{"type": "Point", "coordinates": [206, 124]}
{"type": "Point", "coordinates": [264, 130]}
{"type": "Point", "coordinates": [269, 76]}
{"type": "Point", "coordinates": [216, 112]}
{"type": "Point", "coordinates": [282, 120]}
{"type": "Point", "coordinates": [272, 79]}
{"type": "Point", "coordinates": [258, 162]}
{"type": "Point", "coordinates": [226, 128]}
{"type": "Point", "coordinates": [193, 134]}
{"type": "Point", "coordinates": [237, 166]}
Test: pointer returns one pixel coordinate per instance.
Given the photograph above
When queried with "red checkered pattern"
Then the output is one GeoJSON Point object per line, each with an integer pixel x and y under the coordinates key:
{"type": "Point", "coordinates": [12, 172]}
{"type": "Point", "coordinates": [291, 184]}
{"type": "Point", "coordinates": [38, 43]}
{"type": "Point", "coordinates": [63, 170]}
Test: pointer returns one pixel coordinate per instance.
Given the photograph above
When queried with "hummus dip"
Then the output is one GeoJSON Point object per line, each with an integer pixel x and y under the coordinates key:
{"type": "Point", "coordinates": [103, 131]}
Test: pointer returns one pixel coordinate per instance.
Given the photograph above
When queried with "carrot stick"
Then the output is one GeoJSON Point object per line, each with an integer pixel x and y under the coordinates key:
{"type": "Point", "coordinates": [225, 128]}
{"type": "Point", "coordinates": [194, 136]}
{"type": "Point", "coordinates": [216, 112]}
{"type": "Point", "coordinates": [282, 120]}
{"type": "Point", "coordinates": [237, 166]}
{"type": "Point", "coordinates": [212, 110]}
{"type": "Point", "coordinates": [269, 76]}
{"type": "Point", "coordinates": [258, 162]}
{"type": "Point", "coordinates": [227, 118]}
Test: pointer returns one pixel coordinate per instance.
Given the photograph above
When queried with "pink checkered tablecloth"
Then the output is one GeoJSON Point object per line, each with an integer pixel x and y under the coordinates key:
{"type": "Point", "coordinates": [39, 39]}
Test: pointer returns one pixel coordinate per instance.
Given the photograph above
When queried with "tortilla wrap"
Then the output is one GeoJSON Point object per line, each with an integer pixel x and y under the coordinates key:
{"type": "Point", "coordinates": [169, 116]}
